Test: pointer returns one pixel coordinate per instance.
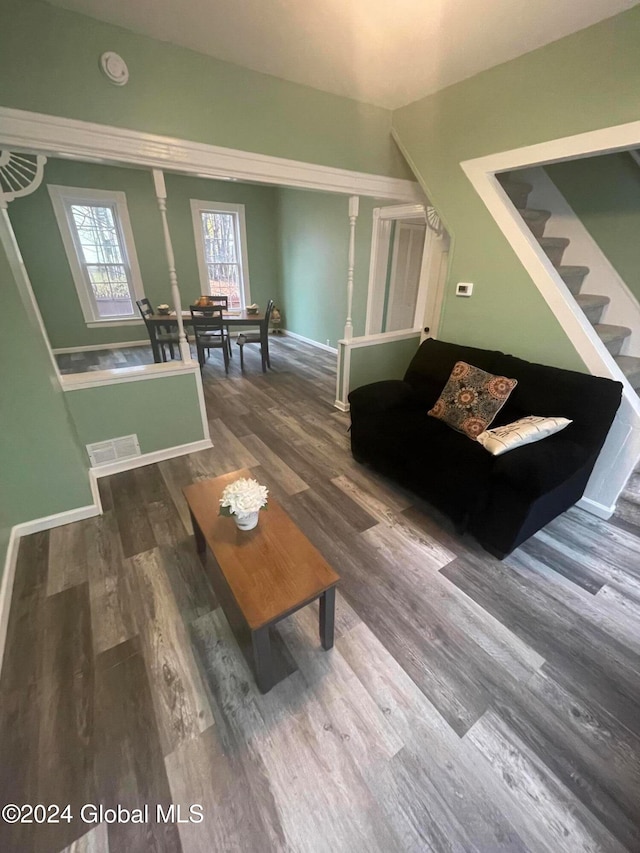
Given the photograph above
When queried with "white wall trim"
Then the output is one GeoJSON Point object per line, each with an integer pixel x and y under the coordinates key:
{"type": "Point", "coordinates": [596, 508]}
{"type": "Point", "coordinates": [382, 338]}
{"type": "Point", "coordinates": [6, 588]}
{"type": "Point", "coordinates": [310, 341]}
{"type": "Point", "coordinates": [116, 376]}
{"type": "Point", "coordinates": [151, 458]}
{"type": "Point", "coordinates": [96, 347]}
{"type": "Point", "coordinates": [58, 136]}
{"type": "Point", "coordinates": [24, 529]}
{"type": "Point", "coordinates": [203, 406]}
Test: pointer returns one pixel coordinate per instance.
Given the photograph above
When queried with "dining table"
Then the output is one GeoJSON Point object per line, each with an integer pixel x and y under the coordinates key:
{"type": "Point", "coordinates": [169, 322]}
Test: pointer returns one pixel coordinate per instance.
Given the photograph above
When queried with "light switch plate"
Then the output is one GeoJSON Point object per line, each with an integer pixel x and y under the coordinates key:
{"type": "Point", "coordinates": [464, 288]}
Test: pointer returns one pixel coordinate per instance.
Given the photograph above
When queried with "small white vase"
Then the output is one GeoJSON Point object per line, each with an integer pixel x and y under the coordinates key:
{"type": "Point", "coordinates": [247, 521]}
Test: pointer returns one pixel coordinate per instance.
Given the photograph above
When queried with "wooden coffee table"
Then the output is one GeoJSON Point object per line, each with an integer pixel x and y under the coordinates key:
{"type": "Point", "coordinates": [261, 575]}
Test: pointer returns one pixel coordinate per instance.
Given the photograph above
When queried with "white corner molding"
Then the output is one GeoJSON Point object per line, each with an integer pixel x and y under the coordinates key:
{"type": "Point", "coordinates": [60, 137]}
{"type": "Point", "coordinates": [151, 458]}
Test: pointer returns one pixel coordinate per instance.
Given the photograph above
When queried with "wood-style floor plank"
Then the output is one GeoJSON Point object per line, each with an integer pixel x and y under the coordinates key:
{"type": "Point", "coordinates": [179, 699]}
{"type": "Point", "coordinates": [468, 704]}
{"type": "Point", "coordinates": [129, 763]}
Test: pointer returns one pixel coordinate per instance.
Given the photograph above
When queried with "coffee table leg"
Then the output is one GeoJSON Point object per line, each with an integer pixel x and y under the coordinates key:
{"type": "Point", "coordinates": [262, 659]}
{"type": "Point", "coordinates": [327, 617]}
{"type": "Point", "coordinates": [201, 545]}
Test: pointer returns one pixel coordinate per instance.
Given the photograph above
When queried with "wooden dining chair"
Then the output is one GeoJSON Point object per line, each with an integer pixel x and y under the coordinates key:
{"type": "Point", "coordinates": [162, 334]}
{"type": "Point", "coordinates": [223, 302]}
{"type": "Point", "coordinates": [256, 337]}
{"type": "Point", "coordinates": [210, 333]}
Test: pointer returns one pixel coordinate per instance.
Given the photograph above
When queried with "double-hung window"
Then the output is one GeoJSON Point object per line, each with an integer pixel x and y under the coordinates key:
{"type": "Point", "coordinates": [221, 247]}
{"type": "Point", "coordinates": [97, 236]}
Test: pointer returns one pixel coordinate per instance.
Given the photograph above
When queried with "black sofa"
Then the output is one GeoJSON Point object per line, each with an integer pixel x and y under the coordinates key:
{"type": "Point", "coordinates": [500, 500]}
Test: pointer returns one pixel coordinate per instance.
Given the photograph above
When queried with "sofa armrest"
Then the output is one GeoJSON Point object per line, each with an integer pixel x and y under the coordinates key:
{"type": "Point", "coordinates": [537, 468]}
{"type": "Point", "coordinates": [381, 396]}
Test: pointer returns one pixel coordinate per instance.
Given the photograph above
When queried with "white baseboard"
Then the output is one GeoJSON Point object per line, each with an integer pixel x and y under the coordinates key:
{"type": "Point", "coordinates": [596, 508]}
{"type": "Point", "coordinates": [94, 347]}
{"type": "Point", "coordinates": [313, 343]}
{"type": "Point", "coordinates": [343, 407]}
{"type": "Point", "coordinates": [6, 589]}
{"type": "Point", "coordinates": [24, 529]}
{"type": "Point", "coordinates": [151, 458]}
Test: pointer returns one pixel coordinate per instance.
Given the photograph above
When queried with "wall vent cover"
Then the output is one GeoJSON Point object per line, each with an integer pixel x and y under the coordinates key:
{"type": "Point", "coordinates": [106, 452]}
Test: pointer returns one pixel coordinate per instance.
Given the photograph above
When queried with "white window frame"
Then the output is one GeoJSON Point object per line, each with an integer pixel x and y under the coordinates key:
{"type": "Point", "coordinates": [198, 206]}
{"type": "Point", "coordinates": [62, 198]}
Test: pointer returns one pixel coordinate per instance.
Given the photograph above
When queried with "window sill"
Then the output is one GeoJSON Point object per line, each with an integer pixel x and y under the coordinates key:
{"type": "Point", "coordinates": [127, 321]}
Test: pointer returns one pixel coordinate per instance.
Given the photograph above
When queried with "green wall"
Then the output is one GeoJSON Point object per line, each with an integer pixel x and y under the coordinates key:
{"type": "Point", "coordinates": [49, 64]}
{"type": "Point", "coordinates": [314, 246]}
{"type": "Point", "coordinates": [261, 212]}
{"type": "Point", "coordinates": [43, 467]}
{"type": "Point", "coordinates": [604, 193]}
{"type": "Point", "coordinates": [383, 361]}
{"type": "Point", "coordinates": [39, 238]}
{"type": "Point", "coordinates": [586, 81]}
{"type": "Point", "coordinates": [41, 245]}
{"type": "Point", "coordinates": [162, 412]}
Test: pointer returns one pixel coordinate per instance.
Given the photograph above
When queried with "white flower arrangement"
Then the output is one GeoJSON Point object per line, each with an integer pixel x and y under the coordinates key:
{"type": "Point", "coordinates": [243, 497]}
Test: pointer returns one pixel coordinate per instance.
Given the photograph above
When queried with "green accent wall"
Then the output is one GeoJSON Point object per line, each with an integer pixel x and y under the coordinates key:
{"type": "Point", "coordinates": [49, 63]}
{"type": "Point", "coordinates": [39, 238]}
{"type": "Point", "coordinates": [604, 193]}
{"type": "Point", "coordinates": [261, 213]}
{"type": "Point", "coordinates": [314, 246]}
{"type": "Point", "coordinates": [162, 412]}
{"type": "Point", "coordinates": [42, 464]}
{"type": "Point", "coordinates": [586, 81]}
{"type": "Point", "coordinates": [382, 361]}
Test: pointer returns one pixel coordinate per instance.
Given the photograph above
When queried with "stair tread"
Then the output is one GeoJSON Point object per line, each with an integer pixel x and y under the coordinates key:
{"type": "Point", "coordinates": [554, 241]}
{"type": "Point", "coordinates": [608, 333]}
{"type": "Point", "coordinates": [534, 213]}
{"type": "Point", "coordinates": [591, 300]}
{"type": "Point", "coordinates": [572, 269]}
{"type": "Point", "coordinates": [630, 366]}
{"type": "Point", "coordinates": [513, 182]}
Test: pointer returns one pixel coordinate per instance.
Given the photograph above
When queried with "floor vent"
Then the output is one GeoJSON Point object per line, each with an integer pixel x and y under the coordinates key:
{"type": "Point", "coordinates": [106, 452]}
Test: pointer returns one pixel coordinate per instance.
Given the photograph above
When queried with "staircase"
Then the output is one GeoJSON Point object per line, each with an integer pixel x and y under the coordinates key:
{"type": "Point", "coordinates": [593, 305]}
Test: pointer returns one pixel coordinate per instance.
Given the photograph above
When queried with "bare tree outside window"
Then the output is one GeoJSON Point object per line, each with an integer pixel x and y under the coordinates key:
{"type": "Point", "coordinates": [103, 259]}
{"type": "Point", "coordinates": [221, 253]}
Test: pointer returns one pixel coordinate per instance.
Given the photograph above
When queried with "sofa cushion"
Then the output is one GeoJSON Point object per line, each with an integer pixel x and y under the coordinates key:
{"type": "Point", "coordinates": [537, 468]}
{"type": "Point", "coordinates": [431, 366]}
{"type": "Point", "coordinates": [471, 399]}
{"type": "Point", "coordinates": [526, 430]}
{"type": "Point", "coordinates": [555, 392]}
{"type": "Point", "coordinates": [381, 396]}
{"type": "Point", "coordinates": [425, 454]}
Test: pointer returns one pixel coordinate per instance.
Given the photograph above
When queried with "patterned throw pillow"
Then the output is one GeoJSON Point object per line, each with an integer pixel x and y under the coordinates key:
{"type": "Point", "coordinates": [523, 431]}
{"type": "Point", "coordinates": [472, 398]}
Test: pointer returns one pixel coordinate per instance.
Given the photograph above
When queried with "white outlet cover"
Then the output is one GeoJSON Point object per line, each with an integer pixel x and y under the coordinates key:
{"type": "Point", "coordinates": [464, 288]}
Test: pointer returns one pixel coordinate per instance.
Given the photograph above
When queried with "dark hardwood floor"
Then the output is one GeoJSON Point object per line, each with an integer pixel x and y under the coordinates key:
{"type": "Point", "coordinates": [468, 704]}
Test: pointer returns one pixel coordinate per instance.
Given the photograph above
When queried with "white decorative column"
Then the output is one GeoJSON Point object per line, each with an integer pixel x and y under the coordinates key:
{"type": "Point", "coordinates": [354, 204]}
{"type": "Point", "coordinates": [161, 195]}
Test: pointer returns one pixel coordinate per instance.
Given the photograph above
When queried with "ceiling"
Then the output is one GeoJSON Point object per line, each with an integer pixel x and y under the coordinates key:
{"type": "Point", "coordinates": [386, 52]}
